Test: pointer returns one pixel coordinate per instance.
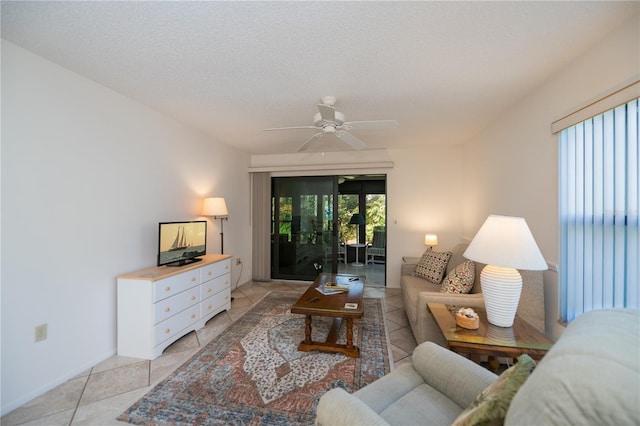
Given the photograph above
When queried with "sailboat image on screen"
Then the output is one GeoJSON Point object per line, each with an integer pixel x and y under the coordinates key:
{"type": "Point", "coordinates": [181, 243]}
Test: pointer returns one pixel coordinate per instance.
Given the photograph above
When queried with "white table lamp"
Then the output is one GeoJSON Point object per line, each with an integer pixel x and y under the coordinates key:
{"type": "Point", "coordinates": [505, 244]}
{"type": "Point", "coordinates": [430, 240]}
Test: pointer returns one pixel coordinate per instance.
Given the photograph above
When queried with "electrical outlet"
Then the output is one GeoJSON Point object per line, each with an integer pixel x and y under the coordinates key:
{"type": "Point", "coordinates": [238, 261]}
{"type": "Point", "coordinates": [41, 332]}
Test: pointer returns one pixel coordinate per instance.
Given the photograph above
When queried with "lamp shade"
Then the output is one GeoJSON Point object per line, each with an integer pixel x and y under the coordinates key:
{"type": "Point", "coordinates": [430, 240]}
{"type": "Point", "coordinates": [357, 219]}
{"type": "Point", "coordinates": [214, 206]}
{"type": "Point", "coordinates": [507, 242]}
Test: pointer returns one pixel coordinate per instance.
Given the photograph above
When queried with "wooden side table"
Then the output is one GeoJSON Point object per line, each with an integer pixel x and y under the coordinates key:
{"type": "Point", "coordinates": [488, 339]}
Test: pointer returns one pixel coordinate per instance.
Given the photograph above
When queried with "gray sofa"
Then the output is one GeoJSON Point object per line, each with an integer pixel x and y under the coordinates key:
{"type": "Point", "coordinates": [590, 376]}
{"type": "Point", "coordinates": [417, 292]}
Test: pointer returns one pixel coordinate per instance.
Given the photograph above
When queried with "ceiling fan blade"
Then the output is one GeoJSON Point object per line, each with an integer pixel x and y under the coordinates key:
{"type": "Point", "coordinates": [370, 125]}
{"type": "Point", "coordinates": [327, 112]}
{"type": "Point", "coordinates": [291, 128]}
{"type": "Point", "coordinates": [309, 141]}
{"type": "Point", "coordinates": [350, 139]}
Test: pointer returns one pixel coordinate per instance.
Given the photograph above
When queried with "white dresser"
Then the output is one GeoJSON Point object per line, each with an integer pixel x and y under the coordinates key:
{"type": "Point", "coordinates": [158, 305]}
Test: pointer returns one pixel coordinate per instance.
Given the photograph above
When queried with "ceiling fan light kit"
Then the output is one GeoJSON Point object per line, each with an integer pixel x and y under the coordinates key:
{"type": "Point", "coordinates": [329, 101]}
{"type": "Point", "coordinates": [330, 121]}
{"type": "Point", "coordinates": [338, 119]}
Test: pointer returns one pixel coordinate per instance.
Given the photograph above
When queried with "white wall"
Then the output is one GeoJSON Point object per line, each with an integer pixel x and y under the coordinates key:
{"type": "Point", "coordinates": [423, 196]}
{"type": "Point", "coordinates": [511, 167]}
{"type": "Point", "coordinates": [87, 174]}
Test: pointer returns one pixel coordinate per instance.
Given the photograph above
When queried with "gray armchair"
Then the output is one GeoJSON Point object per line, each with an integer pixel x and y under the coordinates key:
{"type": "Point", "coordinates": [432, 391]}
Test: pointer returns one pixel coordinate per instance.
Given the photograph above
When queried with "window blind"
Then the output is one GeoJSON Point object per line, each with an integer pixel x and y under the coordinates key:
{"type": "Point", "coordinates": [599, 218]}
{"type": "Point", "coordinates": [261, 226]}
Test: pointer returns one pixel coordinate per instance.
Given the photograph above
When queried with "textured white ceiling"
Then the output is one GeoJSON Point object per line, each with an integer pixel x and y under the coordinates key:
{"type": "Point", "coordinates": [444, 70]}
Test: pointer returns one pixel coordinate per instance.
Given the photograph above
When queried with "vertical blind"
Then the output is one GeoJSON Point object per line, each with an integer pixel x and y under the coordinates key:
{"type": "Point", "coordinates": [599, 217]}
{"type": "Point", "coordinates": [261, 226]}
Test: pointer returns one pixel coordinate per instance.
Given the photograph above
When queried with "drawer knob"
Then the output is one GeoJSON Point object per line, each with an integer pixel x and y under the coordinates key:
{"type": "Point", "coordinates": [193, 279]}
{"type": "Point", "coordinates": [193, 316]}
{"type": "Point", "coordinates": [193, 298]}
{"type": "Point", "coordinates": [209, 273]}
{"type": "Point", "coordinates": [167, 330]}
{"type": "Point", "coordinates": [167, 288]}
{"type": "Point", "coordinates": [209, 307]}
{"type": "Point", "coordinates": [226, 296]}
{"type": "Point", "coordinates": [167, 309]}
{"type": "Point", "coordinates": [209, 290]}
{"type": "Point", "coordinates": [226, 266]}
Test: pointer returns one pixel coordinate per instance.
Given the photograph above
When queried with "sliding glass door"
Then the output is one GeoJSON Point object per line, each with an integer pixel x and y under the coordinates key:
{"type": "Point", "coordinates": [304, 232]}
{"type": "Point", "coordinates": [312, 227]}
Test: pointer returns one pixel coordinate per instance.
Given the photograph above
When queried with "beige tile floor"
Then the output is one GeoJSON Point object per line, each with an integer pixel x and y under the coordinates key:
{"type": "Point", "coordinates": [103, 392]}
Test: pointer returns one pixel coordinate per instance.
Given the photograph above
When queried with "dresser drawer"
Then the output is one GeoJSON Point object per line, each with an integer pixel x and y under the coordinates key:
{"type": "Point", "coordinates": [170, 306]}
{"type": "Point", "coordinates": [215, 270]}
{"type": "Point", "coordinates": [169, 327]}
{"type": "Point", "coordinates": [214, 286]}
{"type": "Point", "coordinates": [212, 304]}
{"type": "Point", "coordinates": [175, 284]}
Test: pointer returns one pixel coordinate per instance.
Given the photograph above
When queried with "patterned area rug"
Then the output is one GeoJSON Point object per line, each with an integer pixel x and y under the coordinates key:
{"type": "Point", "coordinates": [252, 372]}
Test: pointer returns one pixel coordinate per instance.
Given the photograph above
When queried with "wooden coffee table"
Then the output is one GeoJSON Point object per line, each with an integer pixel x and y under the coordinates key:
{"type": "Point", "coordinates": [314, 303]}
{"type": "Point", "coordinates": [488, 339]}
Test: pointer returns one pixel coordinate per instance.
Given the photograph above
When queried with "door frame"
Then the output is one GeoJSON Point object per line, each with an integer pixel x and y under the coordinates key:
{"type": "Point", "coordinates": [333, 255]}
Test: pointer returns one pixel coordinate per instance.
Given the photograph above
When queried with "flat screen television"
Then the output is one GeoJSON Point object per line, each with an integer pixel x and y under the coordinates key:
{"type": "Point", "coordinates": [181, 243]}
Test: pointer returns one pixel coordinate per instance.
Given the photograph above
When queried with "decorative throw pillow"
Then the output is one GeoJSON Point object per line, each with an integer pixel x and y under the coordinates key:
{"type": "Point", "coordinates": [460, 280]}
{"type": "Point", "coordinates": [490, 407]}
{"type": "Point", "coordinates": [432, 265]}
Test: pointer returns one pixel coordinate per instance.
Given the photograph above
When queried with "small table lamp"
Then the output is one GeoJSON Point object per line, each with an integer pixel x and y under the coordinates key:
{"type": "Point", "coordinates": [216, 207]}
{"type": "Point", "coordinates": [505, 244]}
{"type": "Point", "coordinates": [430, 240]}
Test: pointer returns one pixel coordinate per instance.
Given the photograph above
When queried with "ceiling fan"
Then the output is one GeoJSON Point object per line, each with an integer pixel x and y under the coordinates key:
{"type": "Point", "coordinates": [330, 121]}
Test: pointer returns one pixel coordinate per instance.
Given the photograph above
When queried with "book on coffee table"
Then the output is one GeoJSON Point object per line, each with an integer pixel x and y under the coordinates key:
{"type": "Point", "coordinates": [326, 290]}
{"type": "Point", "coordinates": [335, 286]}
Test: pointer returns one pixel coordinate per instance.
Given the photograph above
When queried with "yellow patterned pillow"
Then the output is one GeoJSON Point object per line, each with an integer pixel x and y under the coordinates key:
{"type": "Point", "coordinates": [490, 407]}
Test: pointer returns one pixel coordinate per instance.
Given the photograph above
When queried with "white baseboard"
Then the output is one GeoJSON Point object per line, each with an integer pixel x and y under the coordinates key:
{"type": "Point", "coordinates": [54, 383]}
